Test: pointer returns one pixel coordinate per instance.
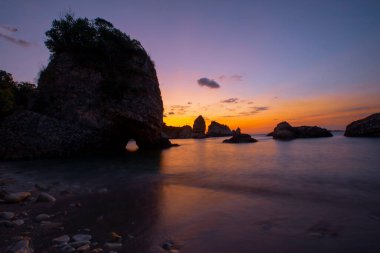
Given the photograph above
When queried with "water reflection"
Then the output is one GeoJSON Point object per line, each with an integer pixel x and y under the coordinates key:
{"type": "Point", "coordinates": [207, 196]}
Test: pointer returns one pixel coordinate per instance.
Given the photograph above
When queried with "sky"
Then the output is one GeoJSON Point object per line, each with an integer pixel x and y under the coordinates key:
{"type": "Point", "coordinates": [248, 64]}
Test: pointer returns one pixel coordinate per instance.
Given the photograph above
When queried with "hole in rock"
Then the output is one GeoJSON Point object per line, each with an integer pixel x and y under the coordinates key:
{"type": "Point", "coordinates": [131, 146]}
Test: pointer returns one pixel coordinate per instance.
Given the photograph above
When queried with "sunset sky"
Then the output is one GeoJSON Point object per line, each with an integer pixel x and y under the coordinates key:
{"type": "Point", "coordinates": [243, 63]}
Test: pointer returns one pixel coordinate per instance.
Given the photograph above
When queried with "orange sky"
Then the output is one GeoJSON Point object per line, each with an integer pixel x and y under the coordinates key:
{"type": "Point", "coordinates": [333, 111]}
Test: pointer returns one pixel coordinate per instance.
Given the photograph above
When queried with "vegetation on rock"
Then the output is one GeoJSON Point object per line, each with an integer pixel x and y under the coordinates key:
{"type": "Point", "coordinates": [14, 96]}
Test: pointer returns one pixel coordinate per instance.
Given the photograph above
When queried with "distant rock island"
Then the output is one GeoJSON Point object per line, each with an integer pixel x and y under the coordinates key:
{"type": "Point", "coordinates": [367, 127]}
{"type": "Point", "coordinates": [239, 137]}
{"type": "Point", "coordinates": [284, 131]}
{"type": "Point", "coordinates": [98, 91]}
{"type": "Point", "coordinates": [198, 131]}
{"type": "Point", "coordinates": [216, 129]}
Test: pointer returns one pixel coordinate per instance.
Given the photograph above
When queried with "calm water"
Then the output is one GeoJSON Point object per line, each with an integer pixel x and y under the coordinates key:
{"type": "Point", "coordinates": [307, 195]}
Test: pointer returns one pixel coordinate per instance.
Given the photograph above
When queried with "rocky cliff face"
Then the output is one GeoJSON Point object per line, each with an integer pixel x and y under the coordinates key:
{"type": "Point", "coordinates": [216, 129]}
{"type": "Point", "coordinates": [284, 131]}
{"type": "Point", "coordinates": [78, 93]}
{"type": "Point", "coordinates": [367, 127]}
{"type": "Point", "coordinates": [183, 132]}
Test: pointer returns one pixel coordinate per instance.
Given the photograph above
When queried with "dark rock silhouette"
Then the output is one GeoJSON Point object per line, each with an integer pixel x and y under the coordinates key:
{"type": "Point", "coordinates": [29, 135]}
{"type": "Point", "coordinates": [284, 131]}
{"type": "Point", "coordinates": [216, 129]}
{"type": "Point", "coordinates": [367, 127]}
{"type": "Point", "coordinates": [86, 103]}
{"type": "Point", "coordinates": [199, 127]}
{"type": "Point", "coordinates": [239, 137]}
{"type": "Point", "coordinates": [172, 132]}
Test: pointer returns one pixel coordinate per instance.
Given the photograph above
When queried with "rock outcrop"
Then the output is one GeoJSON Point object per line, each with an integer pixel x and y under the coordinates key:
{"type": "Point", "coordinates": [183, 132]}
{"type": "Point", "coordinates": [239, 137]}
{"type": "Point", "coordinates": [199, 127]}
{"type": "Point", "coordinates": [216, 129]}
{"type": "Point", "coordinates": [284, 131]}
{"type": "Point", "coordinates": [84, 104]}
{"type": "Point", "coordinates": [367, 127]}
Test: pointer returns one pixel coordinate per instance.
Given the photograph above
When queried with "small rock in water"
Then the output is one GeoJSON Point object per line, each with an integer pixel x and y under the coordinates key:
{"type": "Point", "coordinates": [7, 215]}
{"type": "Point", "coordinates": [168, 245]}
{"type": "Point", "coordinates": [322, 229]}
{"type": "Point", "coordinates": [61, 239]}
{"type": "Point", "coordinates": [113, 245]}
{"type": "Point", "coordinates": [21, 246]}
{"type": "Point", "coordinates": [42, 217]}
{"type": "Point", "coordinates": [45, 197]}
{"type": "Point", "coordinates": [16, 197]}
{"type": "Point", "coordinates": [82, 237]}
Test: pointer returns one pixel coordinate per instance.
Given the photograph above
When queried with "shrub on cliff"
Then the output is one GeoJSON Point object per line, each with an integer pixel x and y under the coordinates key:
{"type": "Point", "coordinates": [13, 95]}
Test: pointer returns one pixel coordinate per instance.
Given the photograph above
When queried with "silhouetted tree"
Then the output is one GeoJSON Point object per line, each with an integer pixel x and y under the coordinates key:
{"type": "Point", "coordinates": [13, 96]}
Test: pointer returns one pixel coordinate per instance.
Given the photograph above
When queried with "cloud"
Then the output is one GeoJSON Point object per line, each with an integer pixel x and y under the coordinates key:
{"type": "Point", "coordinates": [13, 40]}
{"type": "Point", "coordinates": [237, 78]}
{"type": "Point", "coordinates": [212, 84]}
{"type": "Point", "coordinates": [232, 78]}
{"type": "Point", "coordinates": [261, 108]}
{"type": "Point", "coordinates": [255, 110]}
{"type": "Point", "coordinates": [189, 103]}
{"type": "Point", "coordinates": [171, 113]}
{"type": "Point", "coordinates": [230, 100]}
{"type": "Point", "coordinates": [8, 28]}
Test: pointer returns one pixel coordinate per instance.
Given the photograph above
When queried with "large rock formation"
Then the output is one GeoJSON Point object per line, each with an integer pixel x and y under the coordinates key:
{"type": "Point", "coordinates": [89, 93]}
{"type": "Point", "coordinates": [29, 135]}
{"type": "Point", "coordinates": [239, 137]}
{"type": "Point", "coordinates": [284, 131]}
{"type": "Point", "coordinates": [172, 132]}
{"type": "Point", "coordinates": [216, 129]}
{"type": "Point", "coordinates": [367, 127]}
{"type": "Point", "coordinates": [199, 127]}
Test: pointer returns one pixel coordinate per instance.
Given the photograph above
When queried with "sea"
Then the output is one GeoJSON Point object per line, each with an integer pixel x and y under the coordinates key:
{"type": "Point", "coordinates": [305, 195]}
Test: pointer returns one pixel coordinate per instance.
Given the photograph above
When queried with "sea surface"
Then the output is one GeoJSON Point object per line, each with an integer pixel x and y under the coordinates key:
{"type": "Point", "coordinates": [305, 195]}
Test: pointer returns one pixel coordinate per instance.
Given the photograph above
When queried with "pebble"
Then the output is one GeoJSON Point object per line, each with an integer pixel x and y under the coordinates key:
{"type": "Point", "coordinates": [18, 222]}
{"type": "Point", "coordinates": [49, 224]}
{"type": "Point", "coordinates": [7, 215]}
{"type": "Point", "coordinates": [7, 223]}
{"type": "Point", "coordinates": [113, 245]}
{"type": "Point", "coordinates": [42, 217]}
{"type": "Point", "coordinates": [82, 237]}
{"type": "Point", "coordinates": [42, 187]}
{"type": "Point", "coordinates": [22, 246]}
{"type": "Point", "coordinates": [83, 248]}
{"type": "Point", "coordinates": [45, 197]}
{"type": "Point", "coordinates": [61, 239]}
{"type": "Point", "coordinates": [97, 250]}
{"type": "Point", "coordinates": [78, 244]}
{"type": "Point", "coordinates": [67, 249]}
{"type": "Point", "coordinates": [16, 197]}
{"type": "Point", "coordinates": [116, 237]}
